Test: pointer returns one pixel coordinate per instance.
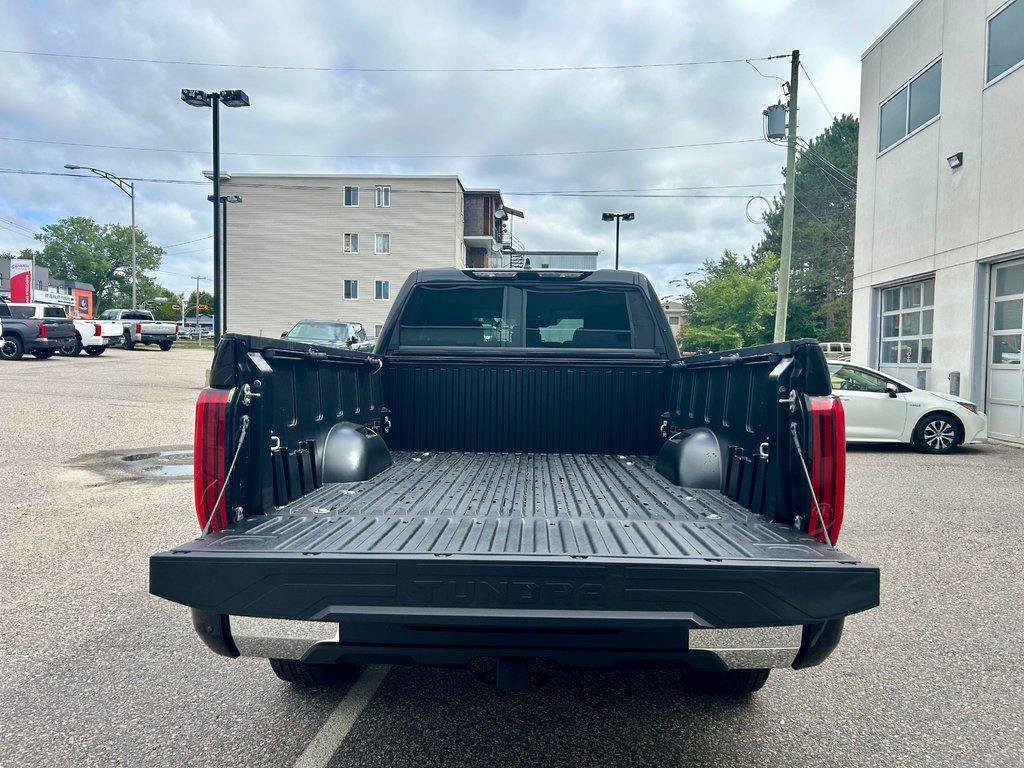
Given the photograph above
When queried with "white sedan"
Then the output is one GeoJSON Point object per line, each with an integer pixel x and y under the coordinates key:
{"type": "Point", "coordinates": [880, 409]}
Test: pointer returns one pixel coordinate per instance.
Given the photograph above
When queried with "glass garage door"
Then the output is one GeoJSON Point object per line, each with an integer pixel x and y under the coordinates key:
{"type": "Point", "coordinates": [1005, 373]}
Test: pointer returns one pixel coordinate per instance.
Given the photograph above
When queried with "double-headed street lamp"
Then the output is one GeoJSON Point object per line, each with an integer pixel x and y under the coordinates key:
{"type": "Point", "coordinates": [617, 217]}
{"type": "Point", "coordinates": [129, 189]}
{"type": "Point", "coordinates": [214, 99]}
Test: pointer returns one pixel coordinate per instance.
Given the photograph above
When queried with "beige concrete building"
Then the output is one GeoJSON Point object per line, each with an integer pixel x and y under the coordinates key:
{"type": "Point", "coordinates": [340, 247]}
{"type": "Point", "coordinates": [939, 268]}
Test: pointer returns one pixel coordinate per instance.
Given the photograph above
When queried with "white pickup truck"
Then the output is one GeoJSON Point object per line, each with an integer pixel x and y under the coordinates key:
{"type": "Point", "coordinates": [139, 327]}
{"type": "Point", "coordinates": [92, 336]}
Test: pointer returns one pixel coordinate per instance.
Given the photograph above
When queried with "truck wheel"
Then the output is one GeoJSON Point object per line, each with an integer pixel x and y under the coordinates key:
{"type": "Point", "coordinates": [734, 681]}
{"type": "Point", "coordinates": [128, 343]}
{"type": "Point", "coordinates": [306, 675]}
{"type": "Point", "coordinates": [12, 348]}
{"type": "Point", "coordinates": [73, 350]}
{"type": "Point", "coordinates": [937, 433]}
{"type": "Point", "coordinates": [166, 345]}
{"type": "Point", "coordinates": [44, 354]}
{"type": "Point", "coordinates": [95, 351]}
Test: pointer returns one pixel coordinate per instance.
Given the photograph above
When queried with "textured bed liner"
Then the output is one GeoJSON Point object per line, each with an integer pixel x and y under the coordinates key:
{"type": "Point", "coordinates": [535, 505]}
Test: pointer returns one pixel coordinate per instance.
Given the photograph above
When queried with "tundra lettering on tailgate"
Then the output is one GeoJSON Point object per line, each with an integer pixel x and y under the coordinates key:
{"type": "Point", "coordinates": [490, 594]}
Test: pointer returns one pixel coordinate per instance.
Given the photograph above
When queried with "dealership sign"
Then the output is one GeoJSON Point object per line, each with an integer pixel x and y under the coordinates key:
{"type": "Point", "coordinates": [21, 281]}
{"type": "Point", "coordinates": [48, 297]}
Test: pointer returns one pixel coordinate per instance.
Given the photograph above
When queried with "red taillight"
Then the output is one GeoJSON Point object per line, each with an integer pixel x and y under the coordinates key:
{"type": "Point", "coordinates": [209, 467]}
{"type": "Point", "coordinates": [175, 330]}
{"type": "Point", "coordinates": [828, 465]}
{"type": "Point", "coordinates": [42, 330]}
{"type": "Point", "coordinates": [98, 330]}
{"type": "Point", "coordinates": [138, 329]}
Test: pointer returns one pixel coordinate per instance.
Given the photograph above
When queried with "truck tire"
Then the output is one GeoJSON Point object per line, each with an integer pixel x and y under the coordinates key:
{"type": "Point", "coordinates": [308, 675]}
{"type": "Point", "coordinates": [733, 681]}
{"type": "Point", "coordinates": [95, 351]}
{"type": "Point", "coordinates": [73, 350]}
{"type": "Point", "coordinates": [12, 348]}
{"type": "Point", "coordinates": [128, 343]}
{"type": "Point", "coordinates": [44, 354]}
{"type": "Point", "coordinates": [166, 345]}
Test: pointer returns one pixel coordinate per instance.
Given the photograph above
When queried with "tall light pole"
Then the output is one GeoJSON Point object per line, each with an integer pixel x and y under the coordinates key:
{"type": "Point", "coordinates": [618, 217]}
{"type": "Point", "coordinates": [220, 295]}
{"type": "Point", "coordinates": [199, 331]}
{"type": "Point", "coordinates": [129, 189]}
{"type": "Point", "coordinates": [232, 98]}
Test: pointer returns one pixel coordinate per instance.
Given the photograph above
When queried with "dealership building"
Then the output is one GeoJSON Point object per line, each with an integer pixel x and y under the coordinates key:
{"type": "Point", "coordinates": [938, 297]}
{"type": "Point", "coordinates": [76, 298]}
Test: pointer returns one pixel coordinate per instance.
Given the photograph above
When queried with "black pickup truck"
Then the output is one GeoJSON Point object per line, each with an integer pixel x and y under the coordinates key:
{"type": "Point", "coordinates": [524, 475]}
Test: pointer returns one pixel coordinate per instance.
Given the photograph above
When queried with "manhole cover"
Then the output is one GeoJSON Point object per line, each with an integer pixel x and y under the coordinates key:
{"type": "Point", "coordinates": [160, 463]}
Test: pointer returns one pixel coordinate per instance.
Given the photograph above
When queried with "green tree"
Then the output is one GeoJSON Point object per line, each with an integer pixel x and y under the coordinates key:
{"type": "Point", "coordinates": [731, 305]}
{"type": "Point", "coordinates": [821, 280]}
{"type": "Point", "coordinates": [77, 248]}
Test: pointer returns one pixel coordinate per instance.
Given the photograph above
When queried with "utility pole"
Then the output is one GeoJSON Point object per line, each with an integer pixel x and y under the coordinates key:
{"type": "Point", "coordinates": [786, 259]}
{"type": "Point", "coordinates": [199, 330]}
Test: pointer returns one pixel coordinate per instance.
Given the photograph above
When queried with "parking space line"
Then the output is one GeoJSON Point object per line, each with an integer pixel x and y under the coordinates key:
{"type": "Point", "coordinates": [332, 733]}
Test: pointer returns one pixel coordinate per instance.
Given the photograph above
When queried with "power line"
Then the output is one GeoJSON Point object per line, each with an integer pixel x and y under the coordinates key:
{"type": "Point", "coordinates": [30, 237]}
{"type": "Point", "coordinates": [388, 157]}
{"type": "Point", "coordinates": [18, 226]}
{"type": "Point", "coordinates": [387, 70]}
{"type": "Point", "coordinates": [187, 242]}
{"type": "Point", "coordinates": [808, 76]}
{"type": "Point", "coordinates": [633, 192]}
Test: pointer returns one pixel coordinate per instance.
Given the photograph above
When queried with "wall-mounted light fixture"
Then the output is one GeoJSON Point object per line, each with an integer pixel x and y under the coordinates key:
{"type": "Point", "coordinates": [955, 161]}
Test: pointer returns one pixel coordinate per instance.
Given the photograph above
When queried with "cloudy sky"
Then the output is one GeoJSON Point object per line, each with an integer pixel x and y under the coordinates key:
{"type": "Point", "coordinates": [316, 108]}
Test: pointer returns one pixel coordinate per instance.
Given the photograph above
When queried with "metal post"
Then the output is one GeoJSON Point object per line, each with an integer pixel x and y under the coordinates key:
{"type": "Point", "coordinates": [216, 222]}
{"type": "Point", "coordinates": [221, 297]}
{"type": "Point", "coordinates": [618, 220]}
{"type": "Point", "coordinates": [135, 283]}
{"type": "Point", "coordinates": [786, 259]}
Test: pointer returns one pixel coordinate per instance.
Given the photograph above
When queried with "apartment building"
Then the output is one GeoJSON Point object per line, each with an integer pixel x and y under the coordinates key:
{"type": "Point", "coordinates": [938, 293]}
{"type": "Point", "coordinates": [340, 247]}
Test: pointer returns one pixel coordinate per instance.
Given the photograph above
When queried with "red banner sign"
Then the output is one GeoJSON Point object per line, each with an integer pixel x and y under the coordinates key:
{"type": "Point", "coordinates": [21, 281]}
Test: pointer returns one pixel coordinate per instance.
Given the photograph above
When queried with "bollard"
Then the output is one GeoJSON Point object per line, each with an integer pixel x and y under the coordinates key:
{"type": "Point", "coordinates": [954, 382]}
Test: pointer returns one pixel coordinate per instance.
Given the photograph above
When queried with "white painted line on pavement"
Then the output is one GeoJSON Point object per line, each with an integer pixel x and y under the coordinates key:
{"type": "Point", "coordinates": [332, 733]}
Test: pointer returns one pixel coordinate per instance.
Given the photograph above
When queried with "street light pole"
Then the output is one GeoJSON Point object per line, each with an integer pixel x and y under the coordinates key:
{"type": "Point", "coordinates": [618, 217]}
{"type": "Point", "coordinates": [220, 296]}
{"type": "Point", "coordinates": [128, 188]}
{"type": "Point", "coordinates": [231, 98]}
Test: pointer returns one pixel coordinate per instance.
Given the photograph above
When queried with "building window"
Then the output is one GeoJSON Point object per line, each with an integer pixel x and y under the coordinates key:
{"type": "Point", "coordinates": [912, 107]}
{"type": "Point", "coordinates": [383, 198]}
{"type": "Point", "coordinates": [908, 313]}
{"type": "Point", "coordinates": [382, 243]}
{"type": "Point", "coordinates": [1008, 315]}
{"type": "Point", "coordinates": [351, 289]}
{"type": "Point", "coordinates": [351, 197]}
{"type": "Point", "coordinates": [674, 320]}
{"type": "Point", "coordinates": [1005, 40]}
{"type": "Point", "coordinates": [351, 242]}
{"type": "Point", "coordinates": [382, 290]}
{"type": "Point", "coordinates": [377, 328]}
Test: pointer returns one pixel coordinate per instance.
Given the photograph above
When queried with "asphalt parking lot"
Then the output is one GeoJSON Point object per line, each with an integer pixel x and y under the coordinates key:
{"type": "Point", "coordinates": [97, 672]}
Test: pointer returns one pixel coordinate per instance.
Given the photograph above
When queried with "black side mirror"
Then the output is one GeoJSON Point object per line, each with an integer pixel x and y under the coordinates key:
{"type": "Point", "coordinates": [892, 389]}
{"type": "Point", "coordinates": [284, 335]}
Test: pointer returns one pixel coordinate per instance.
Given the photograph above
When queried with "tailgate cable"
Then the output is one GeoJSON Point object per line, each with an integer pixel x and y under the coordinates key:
{"type": "Point", "coordinates": [227, 478]}
{"type": "Point", "coordinates": [810, 485]}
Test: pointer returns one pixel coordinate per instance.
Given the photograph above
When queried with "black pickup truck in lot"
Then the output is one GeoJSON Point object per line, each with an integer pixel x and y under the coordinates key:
{"type": "Point", "coordinates": [524, 475]}
{"type": "Point", "coordinates": [43, 337]}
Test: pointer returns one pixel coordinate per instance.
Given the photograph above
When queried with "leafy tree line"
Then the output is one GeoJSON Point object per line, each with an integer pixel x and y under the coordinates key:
{"type": "Point", "coordinates": [77, 248]}
{"type": "Point", "coordinates": [731, 302]}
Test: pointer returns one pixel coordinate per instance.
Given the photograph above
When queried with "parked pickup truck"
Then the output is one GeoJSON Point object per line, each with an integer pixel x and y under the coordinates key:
{"type": "Point", "coordinates": [139, 327]}
{"type": "Point", "coordinates": [524, 475]}
{"type": "Point", "coordinates": [91, 335]}
{"type": "Point", "coordinates": [43, 336]}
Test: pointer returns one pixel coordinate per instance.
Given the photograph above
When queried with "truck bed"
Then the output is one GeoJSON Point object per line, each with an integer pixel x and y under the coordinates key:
{"type": "Point", "coordinates": [522, 504]}
{"type": "Point", "coordinates": [458, 536]}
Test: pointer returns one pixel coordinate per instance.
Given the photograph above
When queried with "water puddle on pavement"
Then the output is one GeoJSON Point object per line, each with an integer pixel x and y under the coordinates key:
{"type": "Point", "coordinates": [160, 463]}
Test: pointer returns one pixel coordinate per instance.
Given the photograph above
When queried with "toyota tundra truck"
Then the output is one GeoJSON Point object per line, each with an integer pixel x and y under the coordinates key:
{"type": "Point", "coordinates": [524, 475]}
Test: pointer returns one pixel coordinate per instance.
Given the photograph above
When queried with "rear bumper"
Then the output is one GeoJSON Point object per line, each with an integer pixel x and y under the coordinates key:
{"type": "Point", "coordinates": [151, 338]}
{"type": "Point", "coordinates": [695, 649]}
{"type": "Point", "coordinates": [48, 343]}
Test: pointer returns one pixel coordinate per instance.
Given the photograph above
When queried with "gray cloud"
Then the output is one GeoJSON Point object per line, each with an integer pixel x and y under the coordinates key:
{"type": "Point", "coordinates": [136, 104]}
